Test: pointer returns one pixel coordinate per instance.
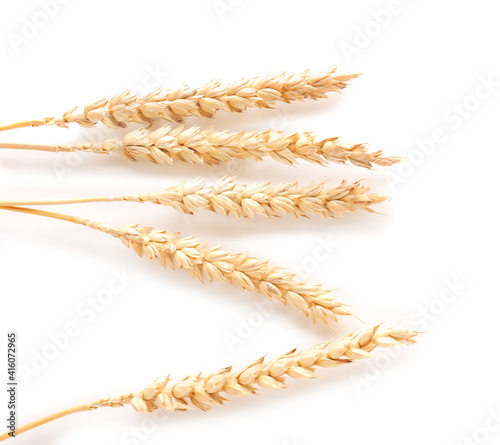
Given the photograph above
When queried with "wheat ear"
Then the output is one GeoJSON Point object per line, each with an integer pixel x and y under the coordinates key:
{"type": "Point", "coordinates": [174, 105]}
{"type": "Point", "coordinates": [205, 391]}
{"type": "Point", "coordinates": [214, 263]}
{"type": "Point", "coordinates": [227, 197]}
{"type": "Point", "coordinates": [211, 147]}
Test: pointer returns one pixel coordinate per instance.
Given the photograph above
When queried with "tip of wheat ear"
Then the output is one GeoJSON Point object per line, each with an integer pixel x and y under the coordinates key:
{"type": "Point", "coordinates": [206, 391]}
{"type": "Point", "coordinates": [174, 105]}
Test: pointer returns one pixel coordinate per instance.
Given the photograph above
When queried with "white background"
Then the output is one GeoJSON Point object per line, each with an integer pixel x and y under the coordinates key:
{"type": "Point", "coordinates": [430, 262]}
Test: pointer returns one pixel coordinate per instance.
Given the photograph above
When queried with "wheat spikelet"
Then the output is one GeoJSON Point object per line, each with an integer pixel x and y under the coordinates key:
{"type": "Point", "coordinates": [214, 263]}
{"type": "Point", "coordinates": [205, 391]}
{"type": "Point", "coordinates": [227, 197]}
{"type": "Point", "coordinates": [196, 146]}
{"type": "Point", "coordinates": [174, 105]}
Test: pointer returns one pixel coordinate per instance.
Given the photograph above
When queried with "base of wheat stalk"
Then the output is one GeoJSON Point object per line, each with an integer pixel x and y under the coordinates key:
{"type": "Point", "coordinates": [203, 392]}
{"type": "Point", "coordinates": [213, 263]}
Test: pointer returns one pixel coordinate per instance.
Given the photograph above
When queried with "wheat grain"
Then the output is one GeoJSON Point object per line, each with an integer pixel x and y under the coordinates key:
{"type": "Point", "coordinates": [215, 263]}
{"type": "Point", "coordinates": [174, 105]}
{"type": "Point", "coordinates": [196, 146]}
{"type": "Point", "coordinates": [227, 197]}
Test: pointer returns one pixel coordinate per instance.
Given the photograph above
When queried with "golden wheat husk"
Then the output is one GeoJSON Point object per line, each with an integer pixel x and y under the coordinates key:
{"type": "Point", "coordinates": [173, 105]}
{"type": "Point", "coordinates": [199, 391]}
{"type": "Point", "coordinates": [194, 145]}
{"type": "Point", "coordinates": [246, 201]}
{"type": "Point", "coordinates": [214, 263]}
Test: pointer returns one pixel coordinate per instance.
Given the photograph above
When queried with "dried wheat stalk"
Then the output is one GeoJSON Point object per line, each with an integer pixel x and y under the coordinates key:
{"type": "Point", "coordinates": [214, 263]}
{"type": "Point", "coordinates": [226, 197]}
{"type": "Point", "coordinates": [174, 105]}
{"type": "Point", "coordinates": [205, 391]}
{"type": "Point", "coordinates": [196, 146]}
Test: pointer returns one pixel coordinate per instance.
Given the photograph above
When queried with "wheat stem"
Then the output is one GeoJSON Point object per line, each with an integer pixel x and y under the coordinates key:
{"type": "Point", "coordinates": [47, 419]}
{"type": "Point", "coordinates": [226, 197]}
{"type": "Point", "coordinates": [113, 403]}
{"type": "Point", "coordinates": [63, 201]}
{"type": "Point", "coordinates": [174, 105]}
{"type": "Point", "coordinates": [45, 213]}
{"type": "Point", "coordinates": [38, 147]}
{"type": "Point", "coordinates": [21, 124]}
{"type": "Point", "coordinates": [214, 263]}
